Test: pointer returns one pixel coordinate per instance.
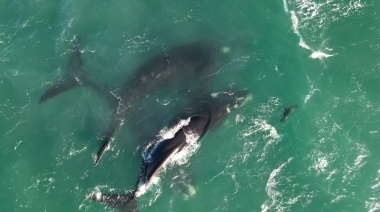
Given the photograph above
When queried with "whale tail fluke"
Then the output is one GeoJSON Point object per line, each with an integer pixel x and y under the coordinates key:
{"type": "Point", "coordinates": [76, 75]}
{"type": "Point", "coordinates": [59, 87]}
{"type": "Point", "coordinates": [124, 202]}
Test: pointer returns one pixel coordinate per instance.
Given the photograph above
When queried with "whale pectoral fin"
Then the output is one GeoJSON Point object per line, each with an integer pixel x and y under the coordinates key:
{"type": "Point", "coordinates": [75, 76]}
{"type": "Point", "coordinates": [108, 137]}
{"type": "Point", "coordinates": [124, 202]}
{"type": "Point", "coordinates": [106, 142]}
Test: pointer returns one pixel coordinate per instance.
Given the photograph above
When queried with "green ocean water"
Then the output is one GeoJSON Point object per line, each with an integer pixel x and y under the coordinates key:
{"type": "Point", "coordinates": [323, 56]}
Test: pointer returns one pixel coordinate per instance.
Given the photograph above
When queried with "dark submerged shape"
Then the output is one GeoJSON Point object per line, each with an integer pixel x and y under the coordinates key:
{"type": "Point", "coordinates": [75, 77]}
{"type": "Point", "coordinates": [176, 68]}
{"type": "Point", "coordinates": [287, 112]}
{"type": "Point", "coordinates": [205, 113]}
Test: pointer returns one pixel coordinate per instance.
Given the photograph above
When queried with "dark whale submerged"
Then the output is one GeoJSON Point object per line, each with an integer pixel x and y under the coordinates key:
{"type": "Point", "coordinates": [186, 68]}
{"type": "Point", "coordinates": [203, 115]}
{"type": "Point", "coordinates": [287, 112]}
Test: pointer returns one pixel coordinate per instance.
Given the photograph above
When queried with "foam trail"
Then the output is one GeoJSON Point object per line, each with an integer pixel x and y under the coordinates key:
{"type": "Point", "coordinates": [286, 6]}
{"type": "Point", "coordinates": [295, 22]}
{"type": "Point", "coordinates": [310, 95]}
{"type": "Point", "coordinates": [316, 54]}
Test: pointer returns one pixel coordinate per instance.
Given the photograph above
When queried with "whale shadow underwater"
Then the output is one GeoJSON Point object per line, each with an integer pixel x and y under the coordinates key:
{"type": "Point", "coordinates": [204, 114]}
{"type": "Point", "coordinates": [186, 68]}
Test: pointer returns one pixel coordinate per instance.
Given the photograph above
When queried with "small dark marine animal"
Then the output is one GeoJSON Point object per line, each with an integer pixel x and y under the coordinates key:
{"type": "Point", "coordinates": [287, 112]}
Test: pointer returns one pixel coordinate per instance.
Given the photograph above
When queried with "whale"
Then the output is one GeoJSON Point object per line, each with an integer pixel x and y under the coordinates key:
{"type": "Point", "coordinates": [287, 112]}
{"type": "Point", "coordinates": [203, 115]}
{"type": "Point", "coordinates": [157, 158]}
{"type": "Point", "coordinates": [187, 68]}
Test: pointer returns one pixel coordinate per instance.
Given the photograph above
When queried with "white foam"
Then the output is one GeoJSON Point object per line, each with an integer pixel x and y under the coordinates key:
{"type": "Point", "coordinates": [168, 133]}
{"type": "Point", "coordinates": [376, 181]}
{"type": "Point", "coordinates": [373, 206]}
{"type": "Point", "coordinates": [307, 98]}
{"type": "Point", "coordinates": [358, 160]}
{"type": "Point", "coordinates": [142, 188]}
{"type": "Point", "coordinates": [294, 22]}
{"type": "Point", "coordinates": [74, 152]}
{"type": "Point", "coordinates": [351, 171]}
{"type": "Point", "coordinates": [316, 54]}
{"type": "Point", "coordinates": [239, 118]}
{"type": "Point", "coordinates": [18, 144]}
{"type": "Point", "coordinates": [263, 126]}
{"type": "Point", "coordinates": [184, 155]}
{"type": "Point", "coordinates": [303, 44]}
{"type": "Point", "coordinates": [98, 195]}
{"type": "Point", "coordinates": [286, 6]}
{"type": "Point", "coordinates": [321, 164]}
{"type": "Point", "coordinates": [320, 55]}
{"type": "Point", "coordinates": [375, 186]}
{"type": "Point", "coordinates": [331, 174]}
{"type": "Point", "coordinates": [273, 194]}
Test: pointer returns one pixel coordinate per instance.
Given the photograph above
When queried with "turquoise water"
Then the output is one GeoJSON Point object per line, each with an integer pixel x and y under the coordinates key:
{"type": "Point", "coordinates": [320, 55]}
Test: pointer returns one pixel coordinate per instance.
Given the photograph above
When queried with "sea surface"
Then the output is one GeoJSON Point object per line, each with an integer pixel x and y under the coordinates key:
{"type": "Point", "coordinates": [321, 55]}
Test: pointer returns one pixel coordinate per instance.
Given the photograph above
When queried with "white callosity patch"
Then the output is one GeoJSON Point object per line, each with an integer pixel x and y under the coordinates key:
{"type": "Point", "coordinates": [226, 49]}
